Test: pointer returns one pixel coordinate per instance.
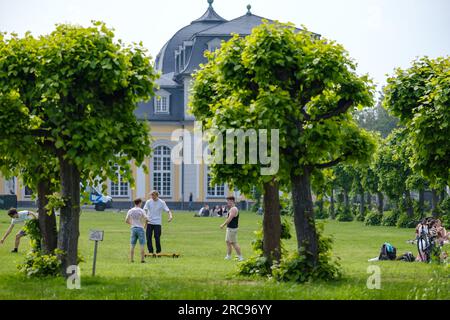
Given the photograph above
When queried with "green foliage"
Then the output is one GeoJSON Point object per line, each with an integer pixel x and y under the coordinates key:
{"type": "Point", "coordinates": [404, 221]}
{"type": "Point", "coordinates": [39, 265]}
{"type": "Point", "coordinates": [297, 268]}
{"type": "Point", "coordinates": [344, 215]}
{"type": "Point", "coordinates": [258, 264]}
{"type": "Point", "coordinates": [255, 266]}
{"type": "Point", "coordinates": [72, 94]}
{"type": "Point", "coordinates": [34, 232]}
{"type": "Point", "coordinates": [390, 218]}
{"type": "Point", "coordinates": [377, 119]}
{"type": "Point", "coordinates": [445, 207]}
{"type": "Point", "coordinates": [55, 202]}
{"type": "Point", "coordinates": [373, 218]}
{"type": "Point", "coordinates": [420, 97]}
{"type": "Point", "coordinates": [285, 229]}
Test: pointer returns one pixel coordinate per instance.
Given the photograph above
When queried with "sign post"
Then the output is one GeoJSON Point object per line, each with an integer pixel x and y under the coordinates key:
{"type": "Point", "coordinates": [95, 235]}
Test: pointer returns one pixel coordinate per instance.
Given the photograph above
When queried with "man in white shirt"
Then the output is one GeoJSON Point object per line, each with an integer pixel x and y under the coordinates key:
{"type": "Point", "coordinates": [137, 219]}
{"type": "Point", "coordinates": [18, 217]}
{"type": "Point", "coordinates": [153, 209]}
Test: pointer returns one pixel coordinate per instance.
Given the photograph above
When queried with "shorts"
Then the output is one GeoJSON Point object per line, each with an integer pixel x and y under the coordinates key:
{"type": "Point", "coordinates": [137, 233]}
{"type": "Point", "coordinates": [231, 235]}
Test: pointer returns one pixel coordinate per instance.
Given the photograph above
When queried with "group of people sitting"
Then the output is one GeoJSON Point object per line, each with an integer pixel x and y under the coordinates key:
{"type": "Point", "coordinates": [218, 211]}
{"type": "Point", "coordinates": [430, 238]}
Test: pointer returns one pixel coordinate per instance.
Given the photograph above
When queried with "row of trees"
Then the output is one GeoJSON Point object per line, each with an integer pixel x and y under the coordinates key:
{"type": "Point", "coordinates": [280, 78]}
{"type": "Point", "coordinates": [67, 104]}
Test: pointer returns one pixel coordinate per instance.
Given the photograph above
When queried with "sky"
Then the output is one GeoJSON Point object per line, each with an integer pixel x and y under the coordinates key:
{"type": "Point", "coordinates": [380, 35]}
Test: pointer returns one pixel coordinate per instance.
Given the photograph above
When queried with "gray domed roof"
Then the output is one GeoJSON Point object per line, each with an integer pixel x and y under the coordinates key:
{"type": "Point", "coordinates": [165, 60]}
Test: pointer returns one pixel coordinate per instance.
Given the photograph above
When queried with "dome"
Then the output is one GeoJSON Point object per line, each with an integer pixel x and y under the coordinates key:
{"type": "Point", "coordinates": [165, 60]}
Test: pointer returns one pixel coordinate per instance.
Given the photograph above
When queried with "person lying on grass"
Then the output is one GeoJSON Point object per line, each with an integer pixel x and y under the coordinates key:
{"type": "Point", "coordinates": [18, 217]}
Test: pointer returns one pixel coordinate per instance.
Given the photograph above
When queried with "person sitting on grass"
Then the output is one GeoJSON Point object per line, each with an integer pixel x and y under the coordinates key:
{"type": "Point", "coordinates": [137, 219]}
{"type": "Point", "coordinates": [18, 218]}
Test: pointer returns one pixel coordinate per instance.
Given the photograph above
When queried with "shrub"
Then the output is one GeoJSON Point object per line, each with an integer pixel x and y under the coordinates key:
{"type": "Point", "coordinates": [445, 208]}
{"type": "Point", "coordinates": [40, 265]}
{"type": "Point", "coordinates": [321, 214]}
{"type": "Point", "coordinates": [296, 267]}
{"type": "Point", "coordinates": [373, 219]}
{"type": "Point", "coordinates": [344, 215]}
{"type": "Point", "coordinates": [407, 222]}
{"type": "Point", "coordinates": [34, 232]}
{"type": "Point", "coordinates": [390, 218]}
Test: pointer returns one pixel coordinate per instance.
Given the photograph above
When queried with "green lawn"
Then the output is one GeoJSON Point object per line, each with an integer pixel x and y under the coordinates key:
{"type": "Point", "coordinates": [202, 273]}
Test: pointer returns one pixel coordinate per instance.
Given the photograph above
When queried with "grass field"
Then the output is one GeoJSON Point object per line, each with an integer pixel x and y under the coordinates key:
{"type": "Point", "coordinates": [202, 273]}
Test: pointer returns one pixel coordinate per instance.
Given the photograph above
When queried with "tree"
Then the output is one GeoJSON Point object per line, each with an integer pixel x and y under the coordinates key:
{"type": "Point", "coordinates": [22, 152]}
{"type": "Point", "coordinates": [84, 89]}
{"type": "Point", "coordinates": [282, 78]}
{"type": "Point", "coordinates": [377, 119]}
{"type": "Point", "coordinates": [420, 97]}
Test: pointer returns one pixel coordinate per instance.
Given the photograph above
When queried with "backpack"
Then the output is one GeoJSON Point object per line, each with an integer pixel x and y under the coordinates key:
{"type": "Point", "coordinates": [387, 252]}
{"type": "Point", "coordinates": [407, 257]}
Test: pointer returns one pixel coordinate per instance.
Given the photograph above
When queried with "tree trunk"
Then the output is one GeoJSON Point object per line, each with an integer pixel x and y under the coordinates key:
{"type": "Point", "coordinates": [380, 199]}
{"type": "Point", "coordinates": [305, 227]}
{"type": "Point", "coordinates": [434, 203]}
{"type": "Point", "coordinates": [271, 222]}
{"type": "Point", "coordinates": [421, 202]}
{"type": "Point", "coordinates": [362, 205]}
{"type": "Point", "coordinates": [346, 201]}
{"type": "Point", "coordinates": [332, 211]}
{"type": "Point", "coordinates": [70, 214]}
{"type": "Point", "coordinates": [47, 220]}
{"type": "Point", "coordinates": [409, 204]}
{"type": "Point", "coordinates": [369, 200]}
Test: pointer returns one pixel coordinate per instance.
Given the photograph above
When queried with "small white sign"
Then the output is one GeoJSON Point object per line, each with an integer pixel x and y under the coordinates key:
{"type": "Point", "coordinates": [96, 235]}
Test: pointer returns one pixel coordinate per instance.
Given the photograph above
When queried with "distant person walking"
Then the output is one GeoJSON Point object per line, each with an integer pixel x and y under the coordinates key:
{"type": "Point", "coordinates": [153, 209]}
{"type": "Point", "coordinates": [18, 217]}
{"type": "Point", "coordinates": [191, 204]}
{"type": "Point", "coordinates": [137, 219]}
{"type": "Point", "coordinates": [232, 224]}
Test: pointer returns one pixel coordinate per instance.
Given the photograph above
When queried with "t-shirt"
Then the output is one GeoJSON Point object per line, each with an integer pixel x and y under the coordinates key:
{"type": "Point", "coordinates": [137, 217]}
{"type": "Point", "coordinates": [154, 210]}
{"type": "Point", "coordinates": [23, 216]}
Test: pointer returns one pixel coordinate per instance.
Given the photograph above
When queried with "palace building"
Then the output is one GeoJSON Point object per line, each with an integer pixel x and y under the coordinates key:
{"type": "Point", "coordinates": [176, 62]}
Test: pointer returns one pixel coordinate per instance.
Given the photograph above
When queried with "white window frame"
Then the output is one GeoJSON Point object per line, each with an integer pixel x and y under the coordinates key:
{"type": "Point", "coordinates": [213, 192]}
{"type": "Point", "coordinates": [162, 102]}
{"type": "Point", "coordinates": [162, 177]}
{"type": "Point", "coordinates": [119, 189]}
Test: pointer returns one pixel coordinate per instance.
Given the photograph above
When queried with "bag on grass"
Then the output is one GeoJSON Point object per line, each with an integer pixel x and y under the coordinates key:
{"type": "Point", "coordinates": [387, 252]}
{"type": "Point", "coordinates": [407, 257]}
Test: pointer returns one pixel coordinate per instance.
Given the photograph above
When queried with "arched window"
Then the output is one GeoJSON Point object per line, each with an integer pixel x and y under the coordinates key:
{"type": "Point", "coordinates": [162, 173]}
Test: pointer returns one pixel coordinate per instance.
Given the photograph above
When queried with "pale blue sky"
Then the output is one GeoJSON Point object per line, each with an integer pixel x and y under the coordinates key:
{"type": "Point", "coordinates": [379, 34]}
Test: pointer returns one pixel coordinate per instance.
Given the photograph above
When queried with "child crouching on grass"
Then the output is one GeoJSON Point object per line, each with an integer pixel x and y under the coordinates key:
{"type": "Point", "coordinates": [137, 219]}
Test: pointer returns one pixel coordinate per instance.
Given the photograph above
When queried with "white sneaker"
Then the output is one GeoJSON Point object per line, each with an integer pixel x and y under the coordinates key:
{"type": "Point", "coordinates": [241, 258]}
{"type": "Point", "coordinates": [227, 257]}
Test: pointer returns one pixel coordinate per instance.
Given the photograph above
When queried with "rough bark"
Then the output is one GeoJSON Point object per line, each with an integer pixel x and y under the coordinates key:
{"type": "Point", "coordinates": [304, 215]}
{"type": "Point", "coordinates": [271, 222]}
{"type": "Point", "coordinates": [47, 220]}
{"type": "Point", "coordinates": [69, 215]}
